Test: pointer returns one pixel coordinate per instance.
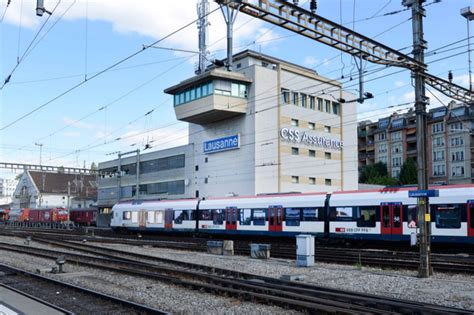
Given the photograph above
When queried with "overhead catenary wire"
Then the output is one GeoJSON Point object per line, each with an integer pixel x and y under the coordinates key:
{"type": "Point", "coordinates": [380, 69]}
{"type": "Point", "coordinates": [23, 56]}
{"type": "Point", "coordinates": [97, 74]}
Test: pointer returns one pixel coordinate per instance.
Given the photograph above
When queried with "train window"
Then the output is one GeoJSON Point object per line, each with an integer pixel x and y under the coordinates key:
{"type": "Point", "coordinates": [386, 216]}
{"type": "Point", "coordinates": [245, 216]}
{"type": "Point", "coordinates": [205, 215]}
{"type": "Point", "coordinates": [341, 214]}
{"type": "Point", "coordinates": [471, 209]}
{"type": "Point", "coordinates": [397, 216]}
{"type": "Point", "coordinates": [150, 217]}
{"type": "Point", "coordinates": [127, 215]}
{"type": "Point", "coordinates": [412, 216]}
{"type": "Point", "coordinates": [366, 217]}
{"type": "Point", "coordinates": [134, 216]}
{"type": "Point", "coordinates": [179, 216]}
{"type": "Point", "coordinates": [159, 217]}
{"type": "Point", "coordinates": [218, 216]}
{"type": "Point", "coordinates": [259, 216]}
{"type": "Point", "coordinates": [310, 214]}
{"type": "Point", "coordinates": [448, 216]}
{"type": "Point", "coordinates": [292, 216]}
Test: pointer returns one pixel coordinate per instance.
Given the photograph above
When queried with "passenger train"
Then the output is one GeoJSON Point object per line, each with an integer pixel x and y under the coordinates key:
{"type": "Point", "coordinates": [386, 214]}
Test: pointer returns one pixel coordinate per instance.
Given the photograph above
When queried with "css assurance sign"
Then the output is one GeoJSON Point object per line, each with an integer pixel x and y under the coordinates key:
{"type": "Point", "coordinates": [296, 136]}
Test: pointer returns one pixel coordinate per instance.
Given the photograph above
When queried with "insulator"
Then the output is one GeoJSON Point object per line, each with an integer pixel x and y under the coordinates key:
{"type": "Point", "coordinates": [450, 76]}
{"type": "Point", "coordinates": [313, 5]}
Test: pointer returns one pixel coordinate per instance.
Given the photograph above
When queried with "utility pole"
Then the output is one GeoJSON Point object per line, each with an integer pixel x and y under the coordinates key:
{"type": "Point", "coordinates": [230, 14]}
{"type": "Point", "coordinates": [202, 24]}
{"type": "Point", "coordinates": [41, 151]}
{"type": "Point", "coordinates": [424, 219]}
{"type": "Point", "coordinates": [468, 13]}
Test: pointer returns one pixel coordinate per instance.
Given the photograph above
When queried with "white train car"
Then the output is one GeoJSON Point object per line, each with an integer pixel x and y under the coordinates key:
{"type": "Point", "coordinates": [152, 215]}
{"type": "Point", "coordinates": [264, 215]}
{"type": "Point", "coordinates": [390, 214]}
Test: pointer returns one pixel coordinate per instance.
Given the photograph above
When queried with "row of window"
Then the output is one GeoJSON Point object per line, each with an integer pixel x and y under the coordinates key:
{"type": "Point", "coordinates": [454, 127]}
{"type": "Point", "coordinates": [311, 125]}
{"type": "Point", "coordinates": [447, 216]}
{"type": "Point", "coordinates": [440, 170]}
{"type": "Point", "coordinates": [161, 164]}
{"type": "Point", "coordinates": [310, 101]}
{"type": "Point", "coordinates": [220, 87]}
{"type": "Point", "coordinates": [311, 153]}
{"type": "Point", "coordinates": [312, 180]}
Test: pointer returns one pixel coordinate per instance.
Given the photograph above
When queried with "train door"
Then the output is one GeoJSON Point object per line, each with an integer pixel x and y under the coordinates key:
{"type": "Point", "coordinates": [169, 216]}
{"type": "Point", "coordinates": [470, 218]}
{"type": "Point", "coordinates": [275, 219]}
{"type": "Point", "coordinates": [391, 218]}
{"type": "Point", "coordinates": [142, 218]}
{"type": "Point", "coordinates": [231, 218]}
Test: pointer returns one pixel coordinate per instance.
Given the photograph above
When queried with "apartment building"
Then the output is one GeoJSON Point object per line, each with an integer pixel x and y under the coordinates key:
{"type": "Point", "coordinates": [450, 143]}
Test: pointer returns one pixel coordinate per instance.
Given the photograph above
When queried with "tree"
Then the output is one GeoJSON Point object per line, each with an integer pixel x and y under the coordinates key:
{"type": "Point", "coordinates": [61, 170]}
{"type": "Point", "coordinates": [93, 168]}
{"type": "Point", "coordinates": [408, 172]}
{"type": "Point", "coordinates": [376, 174]}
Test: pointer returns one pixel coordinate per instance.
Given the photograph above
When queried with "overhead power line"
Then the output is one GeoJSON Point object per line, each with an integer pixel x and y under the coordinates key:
{"type": "Point", "coordinates": [98, 74]}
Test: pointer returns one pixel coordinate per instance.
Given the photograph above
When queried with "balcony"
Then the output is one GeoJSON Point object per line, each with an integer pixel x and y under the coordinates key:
{"type": "Point", "coordinates": [212, 96]}
{"type": "Point", "coordinates": [411, 138]}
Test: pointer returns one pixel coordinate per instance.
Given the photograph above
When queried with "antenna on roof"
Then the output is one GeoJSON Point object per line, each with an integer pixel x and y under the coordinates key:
{"type": "Point", "coordinates": [202, 25]}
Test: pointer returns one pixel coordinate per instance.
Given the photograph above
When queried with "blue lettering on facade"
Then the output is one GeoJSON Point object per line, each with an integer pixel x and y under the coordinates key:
{"type": "Point", "coordinates": [221, 144]}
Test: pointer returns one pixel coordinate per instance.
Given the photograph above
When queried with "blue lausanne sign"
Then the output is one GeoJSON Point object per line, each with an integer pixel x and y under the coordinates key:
{"type": "Point", "coordinates": [222, 144]}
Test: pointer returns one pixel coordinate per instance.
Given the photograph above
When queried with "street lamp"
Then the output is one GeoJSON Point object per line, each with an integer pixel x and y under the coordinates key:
{"type": "Point", "coordinates": [468, 13]}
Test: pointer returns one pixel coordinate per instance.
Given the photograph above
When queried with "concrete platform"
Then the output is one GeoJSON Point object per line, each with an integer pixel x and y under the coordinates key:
{"type": "Point", "coordinates": [13, 302]}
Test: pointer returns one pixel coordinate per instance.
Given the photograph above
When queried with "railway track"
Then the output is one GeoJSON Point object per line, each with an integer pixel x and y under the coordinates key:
{"type": "Point", "coordinates": [68, 298]}
{"type": "Point", "coordinates": [392, 259]}
{"type": "Point", "coordinates": [298, 296]}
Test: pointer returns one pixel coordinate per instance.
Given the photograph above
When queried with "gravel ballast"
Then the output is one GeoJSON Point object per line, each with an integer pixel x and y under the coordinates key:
{"type": "Point", "coordinates": [455, 290]}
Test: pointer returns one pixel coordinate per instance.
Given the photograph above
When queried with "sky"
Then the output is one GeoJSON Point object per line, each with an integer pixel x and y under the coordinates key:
{"type": "Point", "coordinates": [125, 108]}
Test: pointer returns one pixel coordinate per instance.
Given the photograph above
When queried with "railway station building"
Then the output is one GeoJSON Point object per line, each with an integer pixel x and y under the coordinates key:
{"type": "Point", "coordinates": [269, 126]}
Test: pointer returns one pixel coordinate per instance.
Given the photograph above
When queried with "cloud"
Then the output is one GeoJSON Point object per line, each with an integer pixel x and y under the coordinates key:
{"type": "Point", "coordinates": [149, 18]}
{"type": "Point", "coordinates": [462, 80]}
{"type": "Point", "coordinates": [399, 83]}
{"type": "Point", "coordinates": [72, 134]}
{"type": "Point", "coordinates": [78, 124]}
{"type": "Point", "coordinates": [310, 61]}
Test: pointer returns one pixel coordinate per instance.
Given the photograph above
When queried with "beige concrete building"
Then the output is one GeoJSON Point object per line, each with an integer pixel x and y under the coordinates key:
{"type": "Point", "coordinates": [269, 126]}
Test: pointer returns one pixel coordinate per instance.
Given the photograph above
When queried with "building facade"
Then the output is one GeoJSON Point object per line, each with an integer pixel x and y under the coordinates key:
{"type": "Point", "coordinates": [7, 187]}
{"type": "Point", "coordinates": [267, 127]}
{"type": "Point", "coordinates": [38, 189]}
{"type": "Point", "coordinates": [450, 143]}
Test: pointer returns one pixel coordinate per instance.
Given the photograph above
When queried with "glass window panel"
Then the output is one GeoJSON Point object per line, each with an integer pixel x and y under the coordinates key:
{"type": "Point", "coordinates": [245, 216]}
{"type": "Point", "coordinates": [386, 216]}
{"type": "Point", "coordinates": [448, 216]}
{"type": "Point", "coordinates": [187, 96]}
{"type": "Point", "coordinates": [243, 90]}
{"type": "Point", "coordinates": [198, 92]}
{"type": "Point", "coordinates": [366, 217]}
{"type": "Point", "coordinates": [178, 216]}
{"type": "Point", "coordinates": [235, 89]}
{"type": "Point", "coordinates": [217, 216]}
{"type": "Point", "coordinates": [471, 209]}
{"type": "Point", "coordinates": [292, 216]}
{"type": "Point", "coordinates": [159, 217]}
{"type": "Point", "coordinates": [412, 216]}
{"type": "Point", "coordinates": [259, 216]}
{"type": "Point", "coordinates": [205, 215]}
{"type": "Point", "coordinates": [310, 214]}
{"type": "Point", "coordinates": [397, 216]}
{"type": "Point", "coordinates": [193, 94]}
